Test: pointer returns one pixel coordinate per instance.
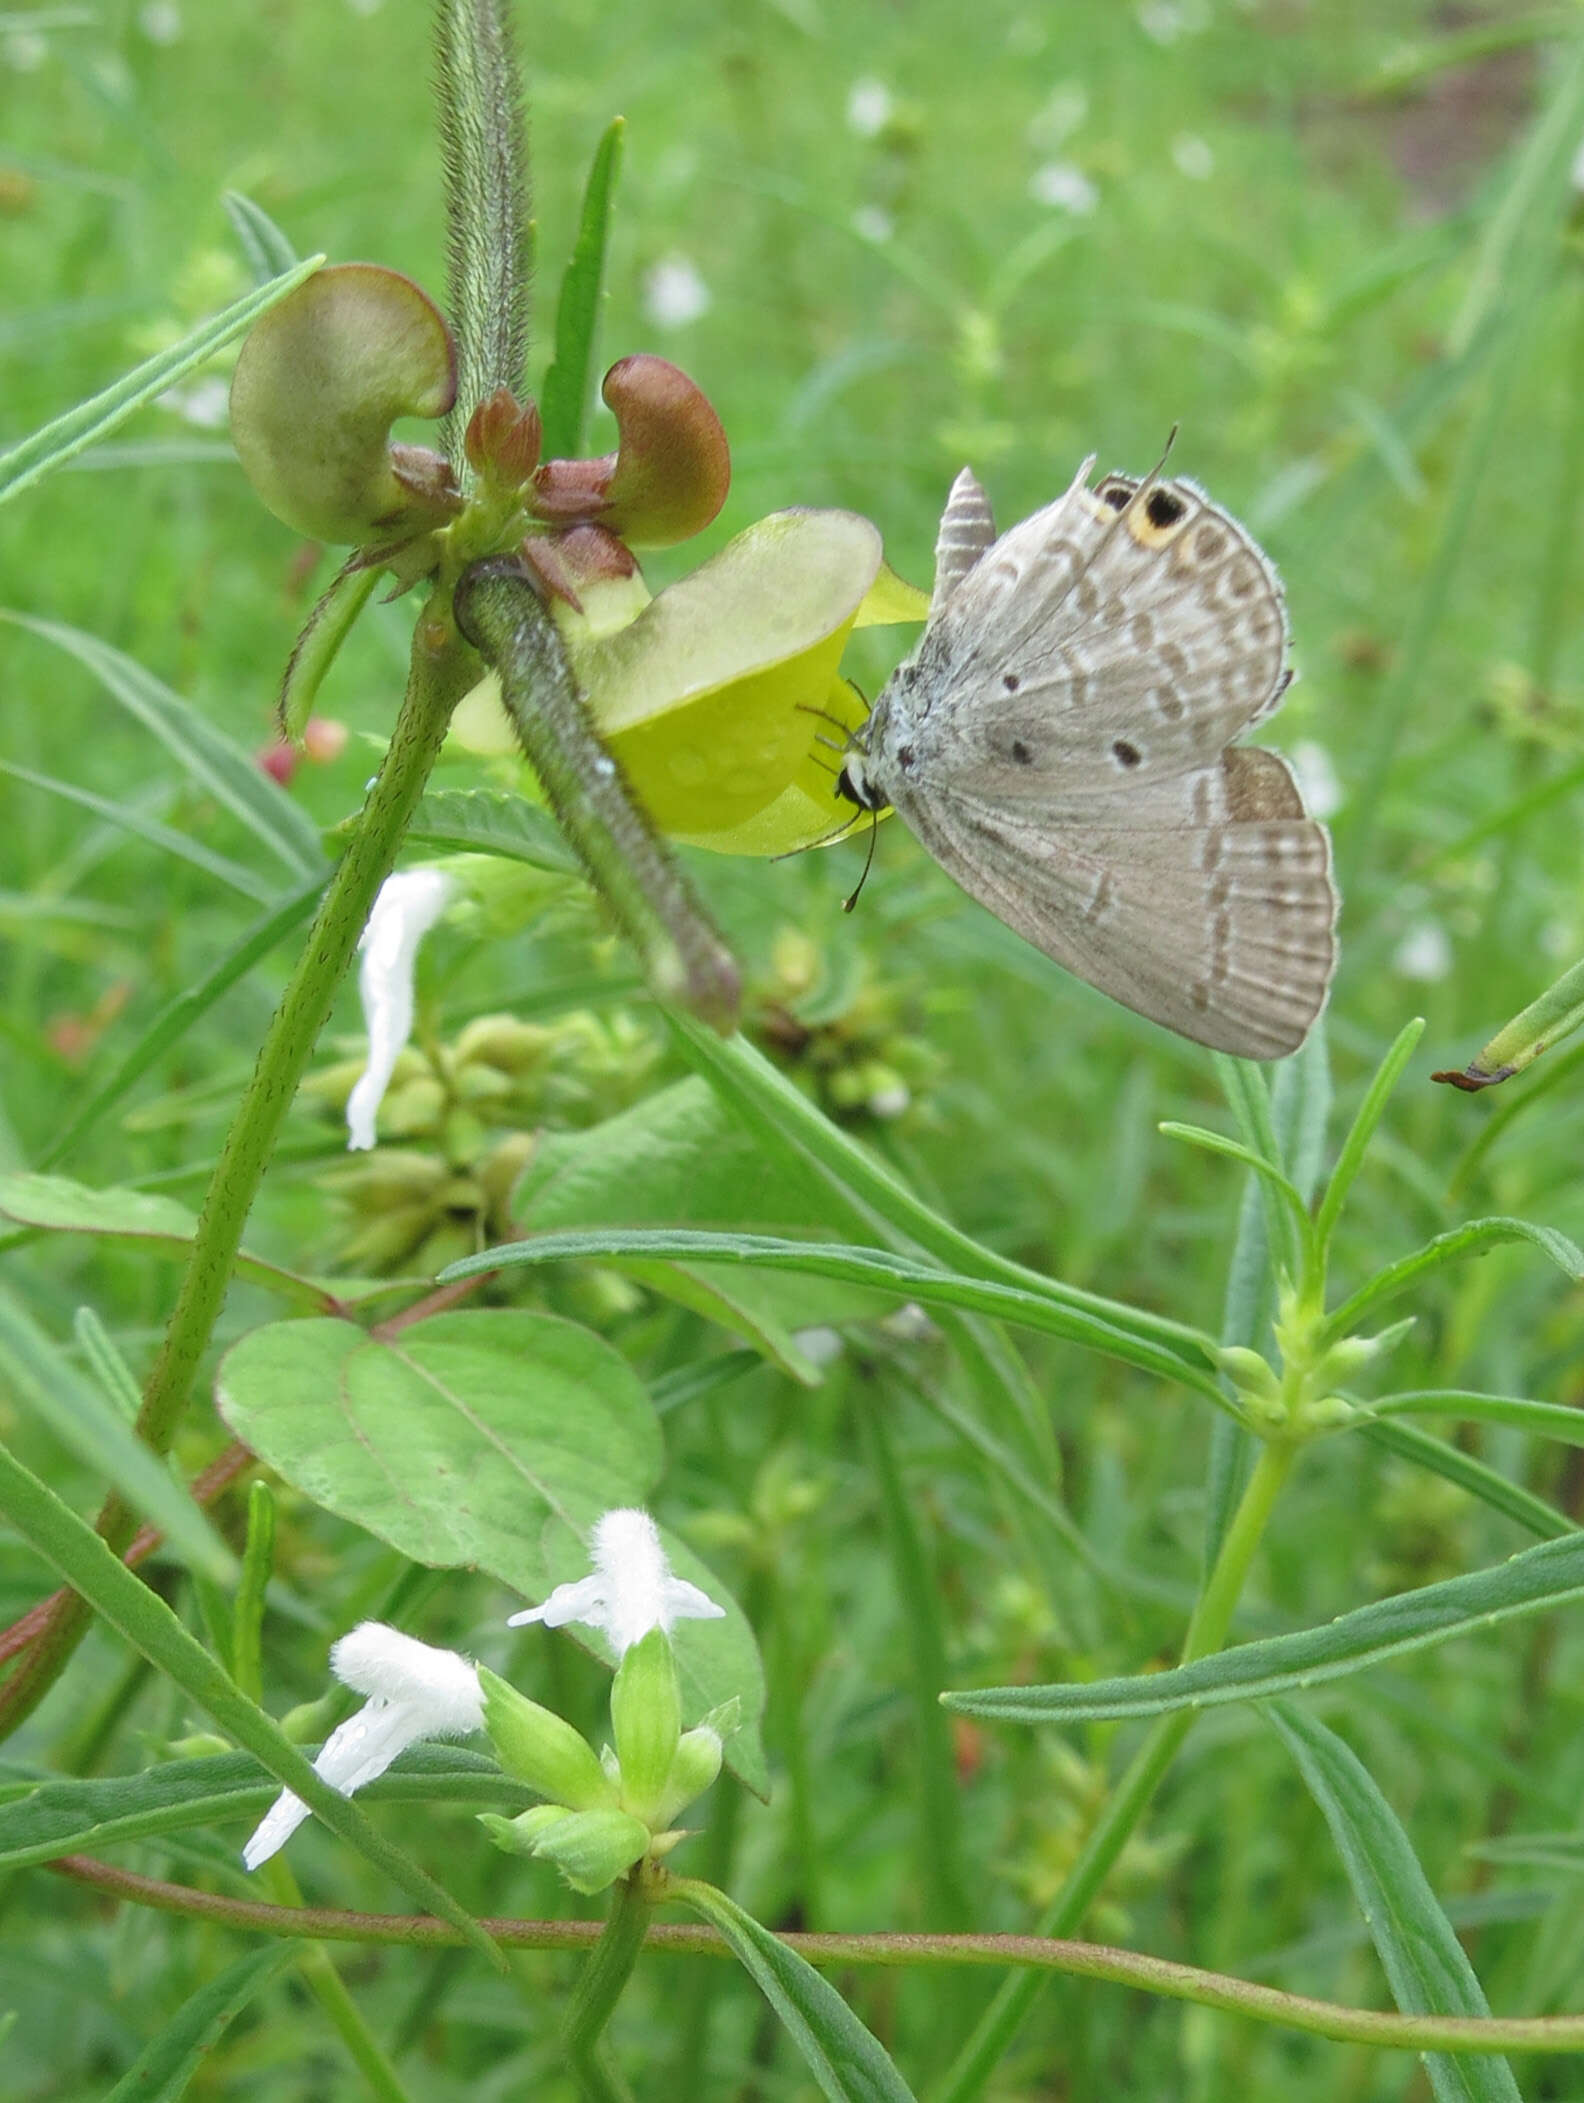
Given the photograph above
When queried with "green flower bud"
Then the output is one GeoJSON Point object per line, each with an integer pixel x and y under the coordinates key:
{"type": "Point", "coordinates": [697, 1763]}
{"type": "Point", "coordinates": [521, 1835]}
{"type": "Point", "coordinates": [541, 1749]}
{"type": "Point", "coordinates": [646, 1717]}
{"type": "Point", "coordinates": [1248, 1372]}
{"type": "Point", "coordinates": [593, 1848]}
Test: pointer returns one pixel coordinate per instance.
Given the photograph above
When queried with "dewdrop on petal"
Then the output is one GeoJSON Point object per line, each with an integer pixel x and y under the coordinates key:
{"type": "Point", "coordinates": [408, 905]}
{"type": "Point", "coordinates": [631, 1591]}
{"type": "Point", "coordinates": [414, 1691]}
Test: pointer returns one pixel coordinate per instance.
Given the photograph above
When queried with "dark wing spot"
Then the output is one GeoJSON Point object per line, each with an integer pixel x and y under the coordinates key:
{"type": "Point", "coordinates": [1021, 753]}
{"type": "Point", "coordinates": [1011, 681]}
{"type": "Point", "coordinates": [1163, 507]}
{"type": "Point", "coordinates": [905, 757]}
{"type": "Point", "coordinates": [1124, 754]}
{"type": "Point", "coordinates": [1116, 496]}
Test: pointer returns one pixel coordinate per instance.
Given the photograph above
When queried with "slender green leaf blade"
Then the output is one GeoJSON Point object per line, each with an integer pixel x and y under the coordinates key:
{"type": "Point", "coordinates": [178, 1016]}
{"type": "Point", "coordinates": [1473, 1238]}
{"type": "Point", "coordinates": [1536, 1579]}
{"type": "Point", "coordinates": [217, 762]}
{"type": "Point", "coordinates": [122, 1600]}
{"type": "Point", "coordinates": [1427, 1967]}
{"type": "Point", "coordinates": [1452, 1464]}
{"type": "Point", "coordinates": [166, 2065]}
{"type": "Point", "coordinates": [68, 435]}
{"type": "Point", "coordinates": [220, 866]}
{"type": "Point", "coordinates": [269, 253]}
{"type": "Point", "coordinates": [1547, 1420]}
{"type": "Point", "coordinates": [565, 398]}
{"type": "Point", "coordinates": [65, 1815]}
{"type": "Point", "coordinates": [879, 1268]}
{"type": "Point", "coordinates": [334, 616]}
{"type": "Point", "coordinates": [844, 2058]}
{"type": "Point", "coordinates": [1362, 1129]}
{"type": "Point", "coordinates": [46, 1383]}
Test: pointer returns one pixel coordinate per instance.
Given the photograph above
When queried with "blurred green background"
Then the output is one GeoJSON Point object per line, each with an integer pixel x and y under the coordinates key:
{"type": "Point", "coordinates": [1333, 246]}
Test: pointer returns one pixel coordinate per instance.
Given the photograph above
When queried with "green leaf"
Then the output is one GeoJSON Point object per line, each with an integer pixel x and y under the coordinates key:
{"type": "Point", "coordinates": [564, 399]}
{"type": "Point", "coordinates": [1549, 1575]}
{"type": "Point", "coordinates": [488, 821]}
{"type": "Point", "coordinates": [680, 1158]}
{"type": "Point", "coordinates": [43, 1380]}
{"type": "Point", "coordinates": [1473, 1238]}
{"type": "Point", "coordinates": [123, 1601]}
{"type": "Point", "coordinates": [1547, 1420]}
{"type": "Point", "coordinates": [1232, 1150]}
{"type": "Point", "coordinates": [57, 1205]}
{"type": "Point", "coordinates": [903, 1276]}
{"type": "Point", "coordinates": [1425, 1964]}
{"type": "Point", "coordinates": [168, 841]}
{"type": "Point", "coordinates": [68, 435]}
{"type": "Point", "coordinates": [178, 1016]}
{"type": "Point", "coordinates": [1362, 1130]}
{"type": "Point", "coordinates": [266, 248]}
{"type": "Point", "coordinates": [460, 1439]}
{"type": "Point", "coordinates": [215, 761]}
{"type": "Point", "coordinates": [66, 1816]}
{"type": "Point", "coordinates": [844, 2057]}
{"type": "Point", "coordinates": [1419, 1448]}
{"type": "Point", "coordinates": [166, 2065]}
{"type": "Point", "coordinates": [332, 620]}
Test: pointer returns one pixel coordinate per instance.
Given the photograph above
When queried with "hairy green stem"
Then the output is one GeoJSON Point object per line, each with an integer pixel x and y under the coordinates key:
{"type": "Point", "coordinates": [1207, 1631]}
{"type": "Point", "coordinates": [599, 1988]}
{"type": "Point", "coordinates": [438, 678]}
{"type": "Point", "coordinates": [1081, 1960]}
{"type": "Point", "coordinates": [484, 153]}
{"type": "Point", "coordinates": [684, 959]}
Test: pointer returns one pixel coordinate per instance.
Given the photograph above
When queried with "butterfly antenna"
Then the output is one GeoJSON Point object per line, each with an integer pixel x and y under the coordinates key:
{"type": "Point", "coordinates": [824, 839]}
{"type": "Point", "coordinates": [846, 729]}
{"type": "Point", "coordinates": [874, 827]}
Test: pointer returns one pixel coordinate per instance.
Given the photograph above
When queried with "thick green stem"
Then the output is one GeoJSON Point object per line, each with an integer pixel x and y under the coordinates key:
{"type": "Point", "coordinates": [1207, 1631]}
{"type": "Point", "coordinates": [599, 1988]}
{"type": "Point", "coordinates": [441, 669]}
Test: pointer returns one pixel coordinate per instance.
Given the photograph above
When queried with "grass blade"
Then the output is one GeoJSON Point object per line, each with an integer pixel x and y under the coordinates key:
{"type": "Point", "coordinates": [1473, 1238]}
{"type": "Point", "coordinates": [1539, 1578]}
{"type": "Point", "coordinates": [212, 759]}
{"type": "Point", "coordinates": [568, 383]}
{"type": "Point", "coordinates": [1409, 1443]}
{"type": "Point", "coordinates": [166, 2065]}
{"type": "Point", "coordinates": [168, 841]}
{"type": "Point", "coordinates": [269, 253]}
{"type": "Point", "coordinates": [1426, 1965]}
{"type": "Point", "coordinates": [68, 435]}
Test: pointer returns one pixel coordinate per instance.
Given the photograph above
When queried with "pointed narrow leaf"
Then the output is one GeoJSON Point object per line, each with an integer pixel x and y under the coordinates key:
{"type": "Point", "coordinates": [1549, 1575]}
{"type": "Point", "coordinates": [68, 435]}
{"type": "Point", "coordinates": [568, 384]}
{"type": "Point", "coordinates": [167, 840]}
{"type": "Point", "coordinates": [489, 821]}
{"type": "Point", "coordinates": [332, 620]}
{"type": "Point", "coordinates": [165, 2066]}
{"type": "Point", "coordinates": [1473, 1238]}
{"type": "Point", "coordinates": [1427, 1967]}
{"type": "Point", "coordinates": [267, 249]}
{"type": "Point", "coordinates": [214, 760]}
{"type": "Point", "coordinates": [844, 2058]}
{"type": "Point", "coordinates": [1452, 1464]}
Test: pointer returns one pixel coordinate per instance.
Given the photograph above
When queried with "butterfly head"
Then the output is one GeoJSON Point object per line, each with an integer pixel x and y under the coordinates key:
{"type": "Point", "coordinates": [853, 785]}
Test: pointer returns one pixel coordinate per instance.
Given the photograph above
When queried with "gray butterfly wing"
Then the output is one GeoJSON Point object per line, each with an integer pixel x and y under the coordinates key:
{"type": "Point", "coordinates": [1115, 641]}
{"type": "Point", "coordinates": [967, 531]}
{"type": "Point", "coordinates": [1224, 933]}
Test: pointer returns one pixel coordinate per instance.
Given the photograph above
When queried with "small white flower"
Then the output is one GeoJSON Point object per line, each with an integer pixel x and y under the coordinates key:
{"type": "Point", "coordinates": [161, 22]}
{"type": "Point", "coordinates": [1058, 117]}
{"type": "Point", "coordinates": [631, 1591]}
{"type": "Point", "coordinates": [1317, 779]}
{"type": "Point", "coordinates": [407, 907]}
{"type": "Point", "coordinates": [1425, 952]}
{"type": "Point", "coordinates": [674, 293]}
{"type": "Point", "coordinates": [872, 222]}
{"type": "Point", "coordinates": [1065, 186]}
{"type": "Point", "coordinates": [869, 108]}
{"type": "Point", "coordinates": [414, 1690]}
{"type": "Point", "coordinates": [1192, 156]}
{"type": "Point", "coordinates": [820, 1345]}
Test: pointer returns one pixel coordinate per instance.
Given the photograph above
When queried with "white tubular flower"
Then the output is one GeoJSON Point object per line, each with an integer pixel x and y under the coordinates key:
{"type": "Point", "coordinates": [414, 1691]}
{"type": "Point", "coordinates": [408, 905]}
{"type": "Point", "coordinates": [631, 1591]}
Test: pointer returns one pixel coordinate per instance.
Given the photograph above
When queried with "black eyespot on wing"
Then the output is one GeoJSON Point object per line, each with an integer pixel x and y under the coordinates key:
{"type": "Point", "coordinates": [1116, 494]}
{"type": "Point", "coordinates": [1021, 753]}
{"type": "Point", "coordinates": [1124, 754]}
{"type": "Point", "coordinates": [1163, 507]}
{"type": "Point", "coordinates": [1011, 681]}
{"type": "Point", "coordinates": [905, 757]}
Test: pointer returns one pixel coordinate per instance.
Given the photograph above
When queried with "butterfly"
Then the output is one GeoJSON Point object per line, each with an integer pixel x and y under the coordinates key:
{"type": "Point", "coordinates": [1060, 741]}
